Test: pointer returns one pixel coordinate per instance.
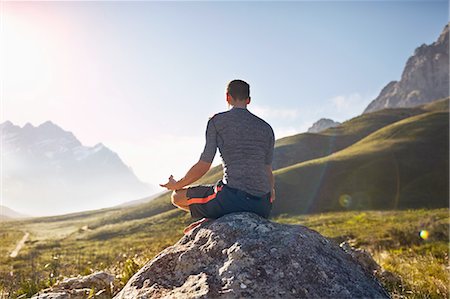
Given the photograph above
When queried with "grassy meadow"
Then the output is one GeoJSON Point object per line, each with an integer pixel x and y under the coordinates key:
{"type": "Point", "coordinates": [65, 246]}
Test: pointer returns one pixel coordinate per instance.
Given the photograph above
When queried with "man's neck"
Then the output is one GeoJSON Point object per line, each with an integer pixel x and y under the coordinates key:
{"type": "Point", "coordinates": [243, 106]}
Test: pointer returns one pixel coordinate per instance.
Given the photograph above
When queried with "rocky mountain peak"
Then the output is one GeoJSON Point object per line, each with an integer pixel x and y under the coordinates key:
{"type": "Point", "coordinates": [28, 126]}
{"type": "Point", "coordinates": [48, 124]}
{"type": "Point", "coordinates": [242, 255]}
{"type": "Point", "coordinates": [6, 124]}
{"type": "Point", "coordinates": [443, 38]}
{"type": "Point", "coordinates": [425, 78]}
{"type": "Point", "coordinates": [323, 124]}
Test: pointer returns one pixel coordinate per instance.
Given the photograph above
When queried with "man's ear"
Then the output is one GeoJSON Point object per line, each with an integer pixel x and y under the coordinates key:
{"type": "Point", "coordinates": [249, 100]}
{"type": "Point", "coordinates": [228, 97]}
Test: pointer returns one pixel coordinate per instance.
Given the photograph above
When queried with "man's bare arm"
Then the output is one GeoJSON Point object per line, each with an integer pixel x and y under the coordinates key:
{"type": "Point", "coordinates": [197, 171]}
{"type": "Point", "coordinates": [271, 179]}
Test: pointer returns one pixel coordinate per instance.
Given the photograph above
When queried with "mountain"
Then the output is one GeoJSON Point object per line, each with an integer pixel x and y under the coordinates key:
{"type": "Point", "coordinates": [306, 146]}
{"type": "Point", "coordinates": [402, 165]}
{"type": "Point", "coordinates": [7, 213]}
{"type": "Point", "coordinates": [425, 78]}
{"type": "Point", "coordinates": [49, 165]}
{"type": "Point", "coordinates": [323, 124]}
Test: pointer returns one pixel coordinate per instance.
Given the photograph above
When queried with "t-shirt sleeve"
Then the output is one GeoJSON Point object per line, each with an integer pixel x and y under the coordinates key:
{"type": "Point", "coordinates": [269, 154]}
{"type": "Point", "coordinates": [211, 142]}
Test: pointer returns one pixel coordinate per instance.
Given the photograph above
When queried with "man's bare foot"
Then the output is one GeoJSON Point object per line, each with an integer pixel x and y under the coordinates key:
{"type": "Point", "coordinates": [195, 224]}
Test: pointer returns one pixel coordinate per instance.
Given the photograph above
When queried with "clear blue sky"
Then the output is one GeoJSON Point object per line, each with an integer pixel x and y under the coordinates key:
{"type": "Point", "coordinates": [143, 77]}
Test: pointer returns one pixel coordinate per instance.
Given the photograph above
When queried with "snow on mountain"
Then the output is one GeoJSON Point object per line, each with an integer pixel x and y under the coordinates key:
{"type": "Point", "coordinates": [49, 165]}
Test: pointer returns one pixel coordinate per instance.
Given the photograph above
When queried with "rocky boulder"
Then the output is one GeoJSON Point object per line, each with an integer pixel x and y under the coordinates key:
{"type": "Point", "coordinates": [96, 285]}
{"type": "Point", "coordinates": [242, 255]}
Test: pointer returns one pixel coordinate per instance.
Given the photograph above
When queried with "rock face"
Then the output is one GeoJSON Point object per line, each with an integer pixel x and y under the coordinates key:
{"type": "Point", "coordinates": [242, 255]}
{"type": "Point", "coordinates": [323, 124]}
{"type": "Point", "coordinates": [97, 285]}
{"type": "Point", "coordinates": [424, 79]}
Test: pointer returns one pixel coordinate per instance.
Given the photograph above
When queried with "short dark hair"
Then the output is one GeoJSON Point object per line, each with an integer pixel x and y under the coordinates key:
{"type": "Point", "coordinates": [239, 90]}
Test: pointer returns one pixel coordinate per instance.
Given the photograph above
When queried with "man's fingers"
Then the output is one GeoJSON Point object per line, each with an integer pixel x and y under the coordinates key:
{"type": "Point", "coordinates": [171, 181]}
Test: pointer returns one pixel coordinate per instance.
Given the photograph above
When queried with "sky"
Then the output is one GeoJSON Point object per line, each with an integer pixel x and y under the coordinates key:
{"type": "Point", "coordinates": [144, 77]}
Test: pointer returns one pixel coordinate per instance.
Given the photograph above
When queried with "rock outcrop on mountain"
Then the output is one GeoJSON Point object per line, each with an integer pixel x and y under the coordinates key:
{"type": "Point", "coordinates": [51, 166]}
{"type": "Point", "coordinates": [242, 255]}
{"type": "Point", "coordinates": [425, 78]}
{"type": "Point", "coordinates": [323, 124]}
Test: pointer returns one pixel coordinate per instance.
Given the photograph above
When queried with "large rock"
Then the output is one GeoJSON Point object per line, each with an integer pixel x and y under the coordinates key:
{"type": "Point", "coordinates": [243, 255]}
{"type": "Point", "coordinates": [98, 285]}
{"type": "Point", "coordinates": [425, 78]}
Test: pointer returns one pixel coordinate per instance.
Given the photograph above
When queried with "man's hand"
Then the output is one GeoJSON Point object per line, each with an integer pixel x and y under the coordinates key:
{"type": "Point", "coordinates": [171, 184]}
{"type": "Point", "coordinates": [272, 195]}
{"type": "Point", "coordinates": [196, 172]}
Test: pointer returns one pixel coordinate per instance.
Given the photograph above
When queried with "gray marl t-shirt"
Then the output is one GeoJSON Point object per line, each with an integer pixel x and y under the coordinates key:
{"type": "Point", "coordinates": [246, 144]}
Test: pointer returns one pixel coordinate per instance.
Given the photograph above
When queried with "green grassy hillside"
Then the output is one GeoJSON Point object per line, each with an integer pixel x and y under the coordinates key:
{"type": "Point", "coordinates": [403, 165]}
{"type": "Point", "coordinates": [307, 146]}
{"type": "Point", "coordinates": [439, 105]}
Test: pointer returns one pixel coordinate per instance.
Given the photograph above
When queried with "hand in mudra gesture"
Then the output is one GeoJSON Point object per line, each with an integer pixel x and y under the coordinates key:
{"type": "Point", "coordinates": [171, 184]}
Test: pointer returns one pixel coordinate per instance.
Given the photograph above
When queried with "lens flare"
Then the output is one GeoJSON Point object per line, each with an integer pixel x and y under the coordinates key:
{"type": "Point", "coordinates": [345, 200]}
{"type": "Point", "coordinates": [424, 234]}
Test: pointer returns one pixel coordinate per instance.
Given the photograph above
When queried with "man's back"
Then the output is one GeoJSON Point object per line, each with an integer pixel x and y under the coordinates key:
{"type": "Point", "coordinates": [246, 143]}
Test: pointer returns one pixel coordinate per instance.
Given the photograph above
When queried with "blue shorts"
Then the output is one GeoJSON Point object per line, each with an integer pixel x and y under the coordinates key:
{"type": "Point", "coordinates": [216, 200]}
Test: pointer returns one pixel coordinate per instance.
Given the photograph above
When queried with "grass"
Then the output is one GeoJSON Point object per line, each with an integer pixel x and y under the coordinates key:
{"type": "Point", "coordinates": [66, 246]}
{"type": "Point", "coordinates": [307, 146]}
{"type": "Point", "coordinates": [403, 165]}
{"type": "Point", "coordinates": [393, 239]}
{"type": "Point", "coordinates": [122, 248]}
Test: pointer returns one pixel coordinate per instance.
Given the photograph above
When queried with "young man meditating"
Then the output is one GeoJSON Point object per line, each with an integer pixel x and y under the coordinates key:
{"type": "Point", "coordinates": [246, 144]}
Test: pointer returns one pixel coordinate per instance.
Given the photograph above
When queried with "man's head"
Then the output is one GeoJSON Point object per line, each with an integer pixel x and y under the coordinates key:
{"type": "Point", "coordinates": [238, 93]}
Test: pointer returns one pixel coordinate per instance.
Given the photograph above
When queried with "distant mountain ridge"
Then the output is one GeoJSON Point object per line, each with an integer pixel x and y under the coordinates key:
{"type": "Point", "coordinates": [425, 78]}
{"type": "Point", "coordinates": [7, 213]}
{"type": "Point", "coordinates": [323, 124]}
{"type": "Point", "coordinates": [51, 165]}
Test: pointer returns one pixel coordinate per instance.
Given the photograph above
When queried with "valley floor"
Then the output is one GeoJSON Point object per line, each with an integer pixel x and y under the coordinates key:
{"type": "Point", "coordinates": [412, 244]}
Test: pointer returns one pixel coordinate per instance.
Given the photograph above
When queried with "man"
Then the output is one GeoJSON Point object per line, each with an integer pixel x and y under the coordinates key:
{"type": "Point", "coordinates": [246, 144]}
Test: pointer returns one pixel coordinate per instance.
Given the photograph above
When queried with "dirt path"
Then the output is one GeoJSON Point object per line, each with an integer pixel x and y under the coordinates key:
{"type": "Point", "coordinates": [19, 246]}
